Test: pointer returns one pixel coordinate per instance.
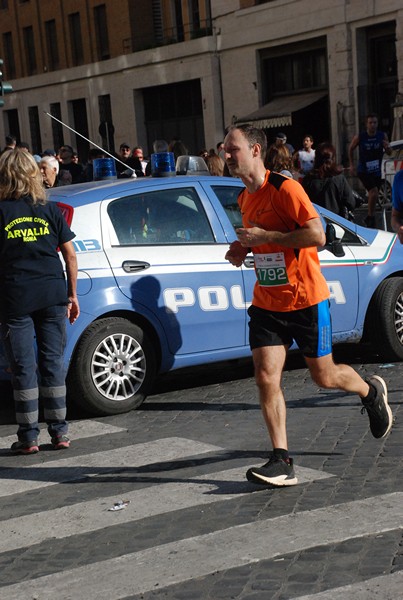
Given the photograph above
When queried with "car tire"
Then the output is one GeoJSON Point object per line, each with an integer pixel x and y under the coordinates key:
{"type": "Point", "coordinates": [385, 319]}
{"type": "Point", "coordinates": [113, 368]}
{"type": "Point", "coordinates": [385, 193]}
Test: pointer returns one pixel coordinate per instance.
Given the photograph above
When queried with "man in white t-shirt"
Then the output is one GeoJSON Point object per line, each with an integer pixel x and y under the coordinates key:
{"type": "Point", "coordinates": [304, 158]}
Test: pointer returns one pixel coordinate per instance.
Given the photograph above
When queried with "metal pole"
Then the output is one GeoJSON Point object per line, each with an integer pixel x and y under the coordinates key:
{"type": "Point", "coordinates": [93, 143]}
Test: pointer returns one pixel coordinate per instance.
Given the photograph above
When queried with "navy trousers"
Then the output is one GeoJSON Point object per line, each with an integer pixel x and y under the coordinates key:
{"type": "Point", "coordinates": [38, 376]}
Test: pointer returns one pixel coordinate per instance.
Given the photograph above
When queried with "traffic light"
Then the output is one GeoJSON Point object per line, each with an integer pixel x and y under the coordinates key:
{"type": "Point", "coordinates": [5, 88]}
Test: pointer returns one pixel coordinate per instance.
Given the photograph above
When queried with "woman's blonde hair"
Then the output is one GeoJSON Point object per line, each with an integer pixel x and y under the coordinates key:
{"type": "Point", "coordinates": [215, 165]}
{"type": "Point", "coordinates": [20, 176]}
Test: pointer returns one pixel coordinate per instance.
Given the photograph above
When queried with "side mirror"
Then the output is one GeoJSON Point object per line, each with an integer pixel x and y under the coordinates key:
{"type": "Point", "coordinates": [333, 241]}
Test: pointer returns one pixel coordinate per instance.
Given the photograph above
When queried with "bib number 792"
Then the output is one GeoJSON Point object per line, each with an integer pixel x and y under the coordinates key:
{"type": "Point", "coordinates": [272, 276]}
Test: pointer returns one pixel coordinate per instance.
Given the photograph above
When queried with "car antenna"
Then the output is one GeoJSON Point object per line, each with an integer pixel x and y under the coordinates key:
{"type": "Point", "coordinates": [91, 142]}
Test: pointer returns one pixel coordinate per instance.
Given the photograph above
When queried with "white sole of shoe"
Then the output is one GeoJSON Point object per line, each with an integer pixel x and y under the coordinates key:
{"type": "Point", "coordinates": [388, 409]}
{"type": "Point", "coordinates": [280, 481]}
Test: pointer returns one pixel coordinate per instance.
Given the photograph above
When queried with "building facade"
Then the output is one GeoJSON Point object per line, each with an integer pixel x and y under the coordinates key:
{"type": "Point", "coordinates": [138, 70]}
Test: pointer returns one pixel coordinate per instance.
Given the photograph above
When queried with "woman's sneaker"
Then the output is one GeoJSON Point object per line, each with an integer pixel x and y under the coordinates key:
{"type": "Point", "coordinates": [61, 442]}
{"type": "Point", "coordinates": [31, 447]}
{"type": "Point", "coordinates": [276, 472]}
{"type": "Point", "coordinates": [379, 412]}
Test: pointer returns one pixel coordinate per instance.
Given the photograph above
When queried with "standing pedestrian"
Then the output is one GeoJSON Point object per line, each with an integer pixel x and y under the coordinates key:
{"type": "Point", "coordinates": [69, 171]}
{"type": "Point", "coordinates": [371, 145]}
{"type": "Point", "coordinates": [326, 184]}
{"type": "Point", "coordinates": [281, 140]}
{"type": "Point", "coordinates": [290, 298]}
{"type": "Point", "coordinates": [278, 159]}
{"type": "Point", "coordinates": [34, 299]}
{"type": "Point", "coordinates": [304, 158]}
{"type": "Point", "coordinates": [49, 168]}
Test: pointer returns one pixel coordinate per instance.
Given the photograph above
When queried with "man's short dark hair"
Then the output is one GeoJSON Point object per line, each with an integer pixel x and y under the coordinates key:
{"type": "Point", "coordinates": [254, 136]}
{"type": "Point", "coordinates": [95, 153]}
{"type": "Point", "coordinates": [11, 139]}
{"type": "Point", "coordinates": [68, 148]}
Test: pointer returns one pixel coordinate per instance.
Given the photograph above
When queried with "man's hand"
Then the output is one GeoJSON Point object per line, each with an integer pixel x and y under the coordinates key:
{"type": "Point", "coordinates": [73, 309]}
{"type": "Point", "coordinates": [252, 236]}
{"type": "Point", "coordinates": [399, 234]}
{"type": "Point", "coordinates": [386, 146]}
{"type": "Point", "coordinates": [236, 254]}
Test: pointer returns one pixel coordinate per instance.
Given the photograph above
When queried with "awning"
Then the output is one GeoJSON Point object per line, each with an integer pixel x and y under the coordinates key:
{"type": "Point", "coordinates": [278, 112]}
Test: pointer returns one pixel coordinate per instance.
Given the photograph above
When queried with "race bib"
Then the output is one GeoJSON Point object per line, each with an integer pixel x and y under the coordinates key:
{"type": "Point", "coordinates": [270, 269]}
{"type": "Point", "coordinates": [372, 165]}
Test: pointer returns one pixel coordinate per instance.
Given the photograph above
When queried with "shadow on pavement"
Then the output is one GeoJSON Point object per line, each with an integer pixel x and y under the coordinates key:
{"type": "Point", "coordinates": [205, 375]}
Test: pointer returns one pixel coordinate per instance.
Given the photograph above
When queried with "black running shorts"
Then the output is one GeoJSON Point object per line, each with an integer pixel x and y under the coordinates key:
{"type": "Point", "coordinates": [310, 327]}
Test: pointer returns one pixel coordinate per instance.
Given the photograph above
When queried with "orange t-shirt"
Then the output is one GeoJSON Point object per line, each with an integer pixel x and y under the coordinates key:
{"type": "Point", "coordinates": [287, 278]}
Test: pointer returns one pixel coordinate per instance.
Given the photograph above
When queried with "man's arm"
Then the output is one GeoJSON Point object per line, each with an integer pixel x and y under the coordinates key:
{"type": "Point", "coordinates": [311, 234]}
{"type": "Point", "coordinates": [69, 255]}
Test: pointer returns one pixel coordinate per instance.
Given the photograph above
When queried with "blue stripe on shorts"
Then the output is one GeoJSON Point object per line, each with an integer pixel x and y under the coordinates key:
{"type": "Point", "coordinates": [324, 329]}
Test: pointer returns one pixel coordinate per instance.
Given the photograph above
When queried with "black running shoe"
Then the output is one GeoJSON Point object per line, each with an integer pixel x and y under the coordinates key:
{"type": "Point", "coordinates": [379, 412]}
{"type": "Point", "coordinates": [276, 472]}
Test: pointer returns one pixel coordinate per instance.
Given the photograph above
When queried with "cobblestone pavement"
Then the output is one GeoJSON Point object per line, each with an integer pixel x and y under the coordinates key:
{"type": "Point", "coordinates": [194, 527]}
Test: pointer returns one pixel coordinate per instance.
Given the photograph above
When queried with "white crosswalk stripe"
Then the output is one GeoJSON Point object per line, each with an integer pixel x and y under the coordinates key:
{"type": "Point", "coordinates": [73, 468]}
{"type": "Point", "coordinates": [90, 516]}
{"type": "Point", "coordinates": [385, 587]}
{"type": "Point", "coordinates": [178, 561]}
{"type": "Point", "coordinates": [201, 555]}
{"type": "Point", "coordinates": [77, 429]}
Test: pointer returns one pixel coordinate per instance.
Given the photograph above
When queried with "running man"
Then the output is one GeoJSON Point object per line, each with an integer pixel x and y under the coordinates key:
{"type": "Point", "coordinates": [290, 299]}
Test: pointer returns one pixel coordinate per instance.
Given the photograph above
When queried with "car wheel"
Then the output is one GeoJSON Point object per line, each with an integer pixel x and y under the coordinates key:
{"type": "Point", "coordinates": [386, 319]}
{"type": "Point", "coordinates": [113, 367]}
{"type": "Point", "coordinates": [385, 193]}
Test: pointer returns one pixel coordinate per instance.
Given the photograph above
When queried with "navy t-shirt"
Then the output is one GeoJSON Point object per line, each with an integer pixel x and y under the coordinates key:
{"type": "Point", "coordinates": [31, 273]}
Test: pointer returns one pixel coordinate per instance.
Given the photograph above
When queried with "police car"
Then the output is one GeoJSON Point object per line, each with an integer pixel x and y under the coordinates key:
{"type": "Point", "coordinates": [156, 293]}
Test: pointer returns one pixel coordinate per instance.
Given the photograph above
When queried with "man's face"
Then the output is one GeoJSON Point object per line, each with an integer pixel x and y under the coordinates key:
{"type": "Point", "coordinates": [238, 153]}
{"type": "Point", "coordinates": [125, 151]}
{"type": "Point", "coordinates": [138, 153]}
{"type": "Point", "coordinates": [65, 154]}
{"type": "Point", "coordinates": [48, 174]}
{"type": "Point", "coordinates": [372, 125]}
{"type": "Point", "coordinates": [307, 143]}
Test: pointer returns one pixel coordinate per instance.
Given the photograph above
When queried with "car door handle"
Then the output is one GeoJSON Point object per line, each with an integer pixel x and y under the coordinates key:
{"type": "Point", "coordinates": [132, 266]}
{"type": "Point", "coordinates": [249, 262]}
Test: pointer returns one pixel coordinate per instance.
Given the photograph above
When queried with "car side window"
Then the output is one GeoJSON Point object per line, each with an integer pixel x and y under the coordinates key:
{"type": "Point", "coordinates": [228, 196]}
{"type": "Point", "coordinates": [173, 216]}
